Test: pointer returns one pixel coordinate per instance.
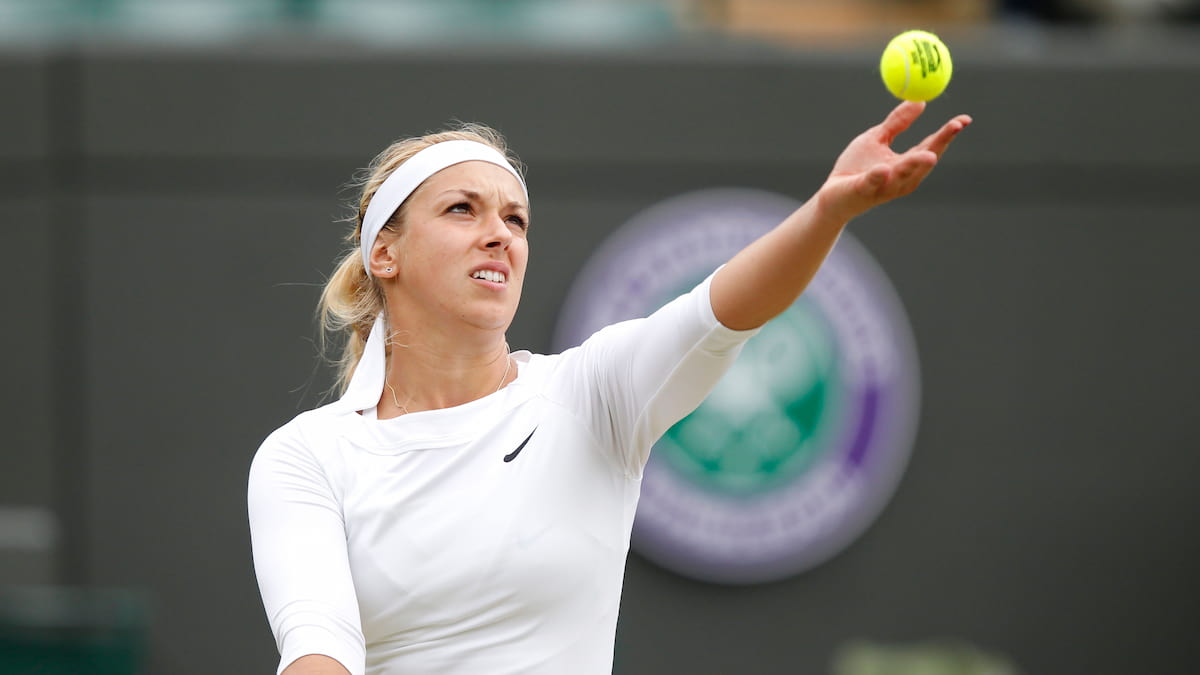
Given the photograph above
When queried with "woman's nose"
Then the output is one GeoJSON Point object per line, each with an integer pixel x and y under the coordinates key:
{"type": "Point", "coordinates": [498, 233]}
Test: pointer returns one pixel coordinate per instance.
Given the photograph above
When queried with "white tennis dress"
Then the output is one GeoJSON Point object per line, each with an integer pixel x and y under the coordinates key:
{"type": "Point", "coordinates": [486, 538]}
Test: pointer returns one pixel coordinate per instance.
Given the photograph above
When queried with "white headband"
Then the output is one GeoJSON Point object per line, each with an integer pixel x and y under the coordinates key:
{"type": "Point", "coordinates": [409, 175]}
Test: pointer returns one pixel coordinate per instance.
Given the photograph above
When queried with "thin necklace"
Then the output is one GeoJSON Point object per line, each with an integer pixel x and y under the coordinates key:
{"type": "Point", "coordinates": [507, 366]}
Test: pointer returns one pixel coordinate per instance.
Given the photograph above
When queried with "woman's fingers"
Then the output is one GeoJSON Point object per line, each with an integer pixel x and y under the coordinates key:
{"type": "Point", "coordinates": [900, 119]}
{"type": "Point", "coordinates": [869, 173]}
{"type": "Point", "coordinates": [900, 177]}
{"type": "Point", "coordinates": [938, 141]}
{"type": "Point", "coordinates": [877, 178]}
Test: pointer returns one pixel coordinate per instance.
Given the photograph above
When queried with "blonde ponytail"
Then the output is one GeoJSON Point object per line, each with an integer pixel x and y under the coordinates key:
{"type": "Point", "coordinates": [351, 299]}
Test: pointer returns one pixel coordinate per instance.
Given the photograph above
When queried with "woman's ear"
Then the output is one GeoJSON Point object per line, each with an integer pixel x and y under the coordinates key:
{"type": "Point", "coordinates": [383, 261]}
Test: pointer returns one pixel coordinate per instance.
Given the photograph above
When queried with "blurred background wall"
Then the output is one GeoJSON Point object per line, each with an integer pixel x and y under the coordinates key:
{"type": "Point", "coordinates": [170, 189]}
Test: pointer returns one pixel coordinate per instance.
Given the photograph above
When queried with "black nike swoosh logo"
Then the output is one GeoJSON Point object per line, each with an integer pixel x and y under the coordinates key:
{"type": "Point", "coordinates": [513, 455]}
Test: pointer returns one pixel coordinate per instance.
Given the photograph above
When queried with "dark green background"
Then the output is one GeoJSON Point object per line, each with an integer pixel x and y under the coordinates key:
{"type": "Point", "coordinates": [167, 216]}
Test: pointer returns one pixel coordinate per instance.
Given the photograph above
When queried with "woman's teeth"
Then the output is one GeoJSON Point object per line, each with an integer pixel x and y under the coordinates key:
{"type": "Point", "coordinates": [490, 275]}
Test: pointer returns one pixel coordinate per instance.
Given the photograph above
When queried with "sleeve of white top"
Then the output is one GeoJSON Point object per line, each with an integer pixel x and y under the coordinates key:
{"type": "Point", "coordinates": [651, 372]}
{"type": "Point", "coordinates": [299, 542]}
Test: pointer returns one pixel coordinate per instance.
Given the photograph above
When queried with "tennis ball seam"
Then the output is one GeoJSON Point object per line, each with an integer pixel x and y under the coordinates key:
{"type": "Point", "coordinates": [907, 69]}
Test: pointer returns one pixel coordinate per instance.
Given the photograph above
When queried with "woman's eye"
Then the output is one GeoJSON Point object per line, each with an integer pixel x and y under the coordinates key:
{"type": "Point", "coordinates": [518, 221]}
{"type": "Point", "coordinates": [461, 207]}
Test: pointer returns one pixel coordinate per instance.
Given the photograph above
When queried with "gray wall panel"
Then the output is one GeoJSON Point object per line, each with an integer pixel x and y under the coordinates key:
{"type": "Point", "coordinates": [203, 346]}
{"type": "Point", "coordinates": [31, 530]}
{"type": "Point", "coordinates": [771, 108]}
{"type": "Point", "coordinates": [24, 117]}
{"type": "Point", "coordinates": [26, 266]}
{"type": "Point", "coordinates": [28, 488]}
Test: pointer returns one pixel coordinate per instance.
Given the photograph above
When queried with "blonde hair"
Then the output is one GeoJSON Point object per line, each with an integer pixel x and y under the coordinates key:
{"type": "Point", "coordinates": [352, 298]}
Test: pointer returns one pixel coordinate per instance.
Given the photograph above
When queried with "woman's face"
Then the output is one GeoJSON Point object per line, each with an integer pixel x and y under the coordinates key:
{"type": "Point", "coordinates": [462, 249]}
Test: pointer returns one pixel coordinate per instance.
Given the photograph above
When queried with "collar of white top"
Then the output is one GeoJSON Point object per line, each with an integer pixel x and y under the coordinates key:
{"type": "Point", "coordinates": [416, 170]}
{"type": "Point", "coordinates": [367, 383]}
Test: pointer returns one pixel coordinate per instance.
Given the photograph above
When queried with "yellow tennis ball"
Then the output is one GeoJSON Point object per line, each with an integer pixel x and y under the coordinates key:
{"type": "Point", "coordinates": [916, 66]}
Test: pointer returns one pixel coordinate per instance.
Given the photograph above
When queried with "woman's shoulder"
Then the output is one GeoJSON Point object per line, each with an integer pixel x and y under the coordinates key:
{"type": "Point", "coordinates": [540, 371]}
{"type": "Point", "coordinates": [308, 432]}
{"type": "Point", "coordinates": [298, 455]}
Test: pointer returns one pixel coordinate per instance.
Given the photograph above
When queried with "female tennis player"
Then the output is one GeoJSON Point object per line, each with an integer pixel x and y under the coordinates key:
{"type": "Point", "coordinates": [464, 508]}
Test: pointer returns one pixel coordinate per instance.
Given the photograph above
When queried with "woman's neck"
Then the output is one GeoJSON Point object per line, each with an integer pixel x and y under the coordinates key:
{"type": "Point", "coordinates": [428, 374]}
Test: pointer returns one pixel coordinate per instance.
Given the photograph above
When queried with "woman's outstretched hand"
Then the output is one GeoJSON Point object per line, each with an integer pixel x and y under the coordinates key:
{"type": "Point", "coordinates": [767, 276]}
{"type": "Point", "coordinates": [869, 173]}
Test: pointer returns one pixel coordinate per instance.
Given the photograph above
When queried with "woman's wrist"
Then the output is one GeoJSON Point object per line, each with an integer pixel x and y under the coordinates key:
{"type": "Point", "coordinates": [831, 208]}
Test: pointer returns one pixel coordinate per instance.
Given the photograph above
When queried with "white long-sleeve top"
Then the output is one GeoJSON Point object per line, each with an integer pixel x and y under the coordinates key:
{"type": "Point", "coordinates": [486, 538]}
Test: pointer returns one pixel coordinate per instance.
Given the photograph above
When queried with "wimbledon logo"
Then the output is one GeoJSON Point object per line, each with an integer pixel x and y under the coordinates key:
{"type": "Point", "coordinates": [802, 442]}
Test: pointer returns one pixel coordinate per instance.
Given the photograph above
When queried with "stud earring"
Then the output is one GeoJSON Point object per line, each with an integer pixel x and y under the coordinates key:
{"type": "Point", "coordinates": [388, 270]}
